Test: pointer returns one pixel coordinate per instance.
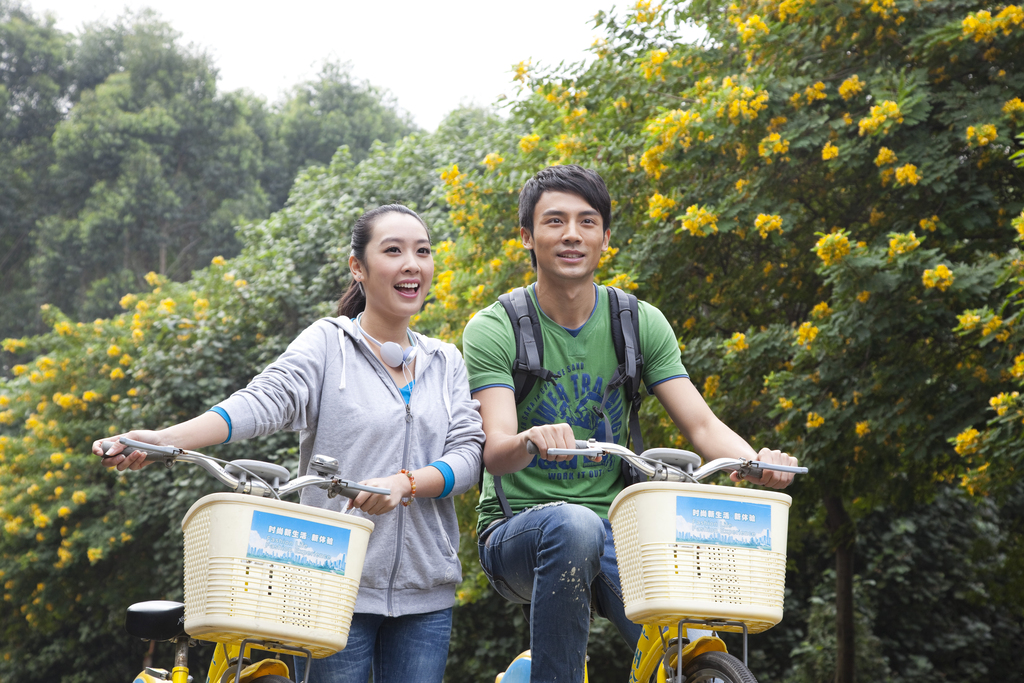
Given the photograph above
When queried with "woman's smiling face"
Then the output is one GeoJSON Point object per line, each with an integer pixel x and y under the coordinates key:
{"type": "Point", "coordinates": [398, 266]}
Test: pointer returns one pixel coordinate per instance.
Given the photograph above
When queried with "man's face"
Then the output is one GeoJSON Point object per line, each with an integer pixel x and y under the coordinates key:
{"type": "Point", "coordinates": [568, 236]}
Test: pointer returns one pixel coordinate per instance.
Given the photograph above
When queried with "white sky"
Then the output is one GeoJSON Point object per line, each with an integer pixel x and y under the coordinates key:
{"type": "Point", "coordinates": [432, 55]}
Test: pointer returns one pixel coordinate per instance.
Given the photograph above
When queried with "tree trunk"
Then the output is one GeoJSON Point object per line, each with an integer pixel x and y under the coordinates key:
{"type": "Point", "coordinates": [840, 526]}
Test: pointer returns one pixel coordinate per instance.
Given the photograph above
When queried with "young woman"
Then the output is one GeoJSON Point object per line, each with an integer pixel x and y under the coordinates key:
{"type": "Point", "coordinates": [394, 408]}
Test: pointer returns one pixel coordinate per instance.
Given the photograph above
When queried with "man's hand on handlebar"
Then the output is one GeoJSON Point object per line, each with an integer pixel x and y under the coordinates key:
{"type": "Point", "coordinates": [770, 478]}
{"type": "Point", "coordinates": [125, 457]}
{"type": "Point", "coordinates": [557, 436]}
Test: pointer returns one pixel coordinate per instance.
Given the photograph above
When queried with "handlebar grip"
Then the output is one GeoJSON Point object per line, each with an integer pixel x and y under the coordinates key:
{"type": "Point", "coordinates": [148, 448]}
{"type": "Point", "coordinates": [531, 447]}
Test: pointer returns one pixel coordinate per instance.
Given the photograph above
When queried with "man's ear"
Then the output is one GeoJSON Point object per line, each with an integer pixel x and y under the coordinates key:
{"type": "Point", "coordinates": [607, 239]}
{"type": "Point", "coordinates": [527, 238]}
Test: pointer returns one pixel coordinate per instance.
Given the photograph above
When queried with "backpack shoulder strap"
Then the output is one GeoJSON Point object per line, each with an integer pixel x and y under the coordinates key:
{"type": "Point", "coordinates": [529, 362]}
{"type": "Point", "coordinates": [625, 324]}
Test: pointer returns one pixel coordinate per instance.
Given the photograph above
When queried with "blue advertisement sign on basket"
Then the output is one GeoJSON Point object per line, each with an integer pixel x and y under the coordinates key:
{"type": "Point", "coordinates": [298, 542]}
{"type": "Point", "coordinates": [723, 522]}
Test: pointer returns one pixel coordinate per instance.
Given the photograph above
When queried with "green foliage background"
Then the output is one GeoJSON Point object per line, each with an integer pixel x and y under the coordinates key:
{"type": "Point", "coordinates": [857, 307]}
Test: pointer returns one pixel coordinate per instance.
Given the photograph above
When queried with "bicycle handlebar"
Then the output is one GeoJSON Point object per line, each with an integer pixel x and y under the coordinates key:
{"type": "Point", "coordinates": [253, 483]}
{"type": "Point", "coordinates": [670, 464]}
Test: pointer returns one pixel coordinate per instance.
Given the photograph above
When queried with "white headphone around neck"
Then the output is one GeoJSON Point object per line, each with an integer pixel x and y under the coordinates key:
{"type": "Point", "coordinates": [393, 354]}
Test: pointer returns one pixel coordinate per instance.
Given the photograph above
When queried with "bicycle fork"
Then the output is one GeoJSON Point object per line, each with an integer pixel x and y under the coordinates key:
{"type": "Point", "coordinates": [661, 653]}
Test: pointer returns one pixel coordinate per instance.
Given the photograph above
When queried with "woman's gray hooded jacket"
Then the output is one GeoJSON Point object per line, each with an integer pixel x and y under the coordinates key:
{"type": "Point", "coordinates": [329, 386]}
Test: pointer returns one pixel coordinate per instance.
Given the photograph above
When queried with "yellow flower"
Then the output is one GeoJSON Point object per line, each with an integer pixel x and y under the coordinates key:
{"type": "Point", "coordinates": [749, 29]}
{"type": "Point", "coordinates": [95, 554]}
{"type": "Point", "coordinates": [1003, 402]}
{"type": "Point", "coordinates": [142, 306]}
{"type": "Point", "coordinates": [982, 135]}
{"type": "Point", "coordinates": [19, 370]}
{"type": "Point", "coordinates": [117, 373]}
{"type": "Point", "coordinates": [929, 224]}
{"type": "Point", "coordinates": [1017, 369]}
{"type": "Point", "coordinates": [90, 396]}
{"type": "Point", "coordinates": [113, 350]}
{"type": "Point", "coordinates": [966, 442]}
{"type": "Point", "coordinates": [907, 175]}
{"type": "Point", "coordinates": [767, 223]}
{"type": "Point", "coordinates": [1014, 108]}
{"type": "Point", "coordinates": [493, 160]}
{"type": "Point", "coordinates": [941, 277]}
{"type": "Point", "coordinates": [167, 306]}
{"type": "Point", "coordinates": [238, 285]}
{"type": "Point", "coordinates": [833, 248]}
{"type": "Point", "coordinates": [864, 296]}
{"type": "Point", "coordinates": [14, 345]}
{"type": "Point", "coordinates": [993, 324]}
{"type": "Point", "coordinates": [737, 343]}
{"type": "Point", "coordinates": [64, 511]}
{"type": "Point", "coordinates": [522, 70]}
{"type": "Point", "coordinates": [863, 428]}
{"type": "Point", "coordinates": [829, 151]}
{"type": "Point", "coordinates": [137, 336]}
{"type": "Point", "coordinates": [785, 403]}
{"type": "Point", "coordinates": [902, 243]}
{"type": "Point", "coordinates": [772, 144]}
{"type": "Point", "coordinates": [78, 497]}
{"type": "Point", "coordinates": [814, 420]}
{"type": "Point", "coordinates": [57, 458]}
{"type": "Point", "coordinates": [880, 117]}
{"type": "Point", "coordinates": [969, 320]}
{"type": "Point", "coordinates": [529, 143]}
{"type": "Point", "coordinates": [659, 206]}
{"type": "Point", "coordinates": [652, 66]}
{"type": "Point", "coordinates": [201, 304]}
{"type": "Point", "coordinates": [152, 279]}
{"type": "Point", "coordinates": [806, 334]}
{"type": "Point", "coordinates": [711, 386]}
{"type": "Point", "coordinates": [850, 87]}
{"type": "Point", "coordinates": [821, 311]}
{"type": "Point", "coordinates": [218, 261]}
{"type": "Point", "coordinates": [699, 221]}
{"type": "Point", "coordinates": [740, 184]}
{"type": "Point", "coordinates": [885, 156]}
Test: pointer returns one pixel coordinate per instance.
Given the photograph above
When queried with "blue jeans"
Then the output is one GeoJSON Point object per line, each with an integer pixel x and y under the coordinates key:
{"type": "Point", "coordinates": [558, 557]}
{"type": "Point", "coordinates": [413, 647]}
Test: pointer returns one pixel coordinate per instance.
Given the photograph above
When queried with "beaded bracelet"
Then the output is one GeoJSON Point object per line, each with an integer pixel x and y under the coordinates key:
{"type": "Point", "coordinates": [412, 484]}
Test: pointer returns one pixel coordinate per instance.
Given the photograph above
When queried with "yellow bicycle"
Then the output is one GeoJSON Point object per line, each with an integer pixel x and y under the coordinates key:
{"type": "Point", "coordinates": [260, 573]}
{"type": "Point", "coordinates": [694, 560]}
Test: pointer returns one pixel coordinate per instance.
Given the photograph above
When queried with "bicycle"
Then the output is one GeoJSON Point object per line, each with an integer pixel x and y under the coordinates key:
{"type": "Point", "coordinates": [259, 573]}
{"type": "Point", "coordinates": [725, 573]}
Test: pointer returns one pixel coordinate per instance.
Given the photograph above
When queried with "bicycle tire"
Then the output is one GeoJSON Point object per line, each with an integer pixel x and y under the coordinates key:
{"type": "Point", "coordinates": [717, 667]}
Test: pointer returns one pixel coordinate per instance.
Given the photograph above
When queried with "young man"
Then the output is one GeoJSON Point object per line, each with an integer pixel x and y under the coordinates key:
{"type": "Point", "coordinates": [556, 552]}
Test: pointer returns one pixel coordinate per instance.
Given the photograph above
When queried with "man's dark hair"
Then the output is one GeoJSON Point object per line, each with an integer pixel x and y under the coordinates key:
{"type": "Point", "coordinates": [571, 179]}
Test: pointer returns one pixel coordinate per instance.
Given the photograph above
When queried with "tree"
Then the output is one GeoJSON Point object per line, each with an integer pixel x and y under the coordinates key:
{"type": "Point", "coordinates": [34, 85]}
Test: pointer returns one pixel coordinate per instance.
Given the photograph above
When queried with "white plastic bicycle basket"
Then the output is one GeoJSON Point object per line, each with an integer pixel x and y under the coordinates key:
{"type": "Point", "coordinates": [270, 569]}
{"type": "Point", "coordinates": [701, 551]}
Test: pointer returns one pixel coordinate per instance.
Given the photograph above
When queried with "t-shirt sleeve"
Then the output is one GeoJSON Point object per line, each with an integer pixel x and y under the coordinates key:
{"type": "Point", "coordinates": [488, 347]}
{"type": "Point", "coordinates": [662, 358]}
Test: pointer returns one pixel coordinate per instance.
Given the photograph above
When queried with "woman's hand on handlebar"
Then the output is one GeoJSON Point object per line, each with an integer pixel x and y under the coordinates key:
{"type": "Point", "coordinates": [770, 478]}
{"type": "Point", "coordinates": [378, 503]}
{"type": "Point", "coordinates": [124, 457]}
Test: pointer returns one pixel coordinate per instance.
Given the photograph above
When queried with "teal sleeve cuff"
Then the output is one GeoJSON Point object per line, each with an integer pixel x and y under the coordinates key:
{"type": "Point", "coordinates": [223, 413]}
{"type": "Point", "coordinates": [449, 476]}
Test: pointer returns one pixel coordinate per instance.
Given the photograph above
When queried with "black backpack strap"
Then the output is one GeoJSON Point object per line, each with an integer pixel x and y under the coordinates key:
{"type": "Point", "coordinates": [625, 325]}
{"type": "Point", "coordinates": [529, 363]}
{"type": "Point", "coordinates": [528, 366]}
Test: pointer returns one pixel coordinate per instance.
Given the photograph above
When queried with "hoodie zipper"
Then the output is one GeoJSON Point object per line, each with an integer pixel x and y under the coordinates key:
{"type": "Point", "coordinates": [401, 516]}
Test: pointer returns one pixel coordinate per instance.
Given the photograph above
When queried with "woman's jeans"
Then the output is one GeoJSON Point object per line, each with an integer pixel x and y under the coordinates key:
{"type": "Point", "coordinates": [413, 647]}
{"type": "Point", "coordinates": [558, 557]}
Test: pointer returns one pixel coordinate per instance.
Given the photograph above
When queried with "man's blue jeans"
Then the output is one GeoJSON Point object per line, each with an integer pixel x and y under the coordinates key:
{"type": "Point", "coordinates": [413, 647]}
{"type": "Point", "coordinates": [558, 557]}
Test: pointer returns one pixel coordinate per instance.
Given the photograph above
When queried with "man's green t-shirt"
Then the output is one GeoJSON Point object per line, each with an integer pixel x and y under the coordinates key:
{"type": "Point", "coordinates": [584, 361]}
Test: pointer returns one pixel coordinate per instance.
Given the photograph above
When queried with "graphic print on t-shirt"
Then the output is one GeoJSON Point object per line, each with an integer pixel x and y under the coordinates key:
{"type": "Point", "coordinates": [574, 398]}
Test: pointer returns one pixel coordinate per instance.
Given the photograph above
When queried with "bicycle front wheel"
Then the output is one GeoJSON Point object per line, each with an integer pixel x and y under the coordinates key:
{"type": "Point", "coordinates": [717, 667]}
